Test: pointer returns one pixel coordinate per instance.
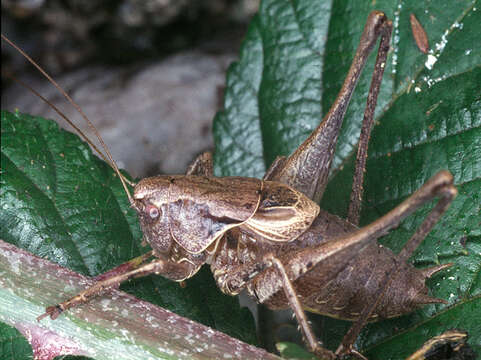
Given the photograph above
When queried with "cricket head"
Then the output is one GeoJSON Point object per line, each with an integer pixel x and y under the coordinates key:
{"type": "Point", "coordinates": [190, 213]}
{"type": "Point", "coordinates": [151, 201]}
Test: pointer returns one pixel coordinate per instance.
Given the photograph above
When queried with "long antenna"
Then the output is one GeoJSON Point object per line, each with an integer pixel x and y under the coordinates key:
{"type": "Point", "coordinates": [79, 110]}
{"type": "Point", "coordinates": [63, 116]}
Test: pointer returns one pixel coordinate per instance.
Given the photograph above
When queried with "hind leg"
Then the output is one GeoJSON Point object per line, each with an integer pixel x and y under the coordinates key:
{"type": "Point", "coordinates": [264, 278]}
{"type": "Point", "coordinates": [307, 169]}
{"type": "Point", "coordinates": [447, 192]}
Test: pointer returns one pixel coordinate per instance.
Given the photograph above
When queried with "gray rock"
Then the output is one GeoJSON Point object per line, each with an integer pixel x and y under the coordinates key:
{"type": "Point", "coordinates": [155, 119]}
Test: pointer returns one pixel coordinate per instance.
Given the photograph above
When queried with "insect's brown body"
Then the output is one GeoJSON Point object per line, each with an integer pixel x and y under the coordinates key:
{"type": "Point", "coordinates": [338, 290]}
{"type": "Point", "coordinates": [269, 236]}
{"type": "Point", "coordinates": [198, 213]}
{"type": "Point", "coordinates": [184, 217]}
{"type": "Point", "coordinates": [345, 294]}
{"type": "Point", "coordinates": [191, 220]}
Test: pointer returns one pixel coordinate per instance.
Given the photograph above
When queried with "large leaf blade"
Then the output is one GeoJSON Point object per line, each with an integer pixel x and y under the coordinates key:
{"type": "Point", "coordinates": [427, 119]}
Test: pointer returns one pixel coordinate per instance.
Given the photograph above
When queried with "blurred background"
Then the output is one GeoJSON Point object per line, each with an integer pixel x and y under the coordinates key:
{"type": "Point", "coordinates": [149, 73]}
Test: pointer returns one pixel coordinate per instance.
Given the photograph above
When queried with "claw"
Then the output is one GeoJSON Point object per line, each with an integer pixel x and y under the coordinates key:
{"type": "Point", "coordinates": [52, 311]}
{"type": "Point", "coordinates": [324, 354]}
{"type": "Point", "coordinates": [342, 351]}
{"type": "Point", "coordinates": [358, 354]}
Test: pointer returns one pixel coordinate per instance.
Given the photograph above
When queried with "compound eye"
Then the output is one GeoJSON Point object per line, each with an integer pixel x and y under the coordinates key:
{"type": "Point", "coordinates": [152, 211]}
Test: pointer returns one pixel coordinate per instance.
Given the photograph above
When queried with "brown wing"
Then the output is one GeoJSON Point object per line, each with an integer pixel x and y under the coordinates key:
{"type": "Point", "coordinates": [283, 213]}
{"type": "Point", "coordinates": [201, 209]}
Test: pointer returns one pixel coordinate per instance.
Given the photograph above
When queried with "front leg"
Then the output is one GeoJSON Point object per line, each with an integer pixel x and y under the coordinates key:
{"type": "Point", "coordinates": [158, 266]}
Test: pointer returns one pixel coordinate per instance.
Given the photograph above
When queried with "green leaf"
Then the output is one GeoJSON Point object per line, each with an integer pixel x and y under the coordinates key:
{"type": "Point", "coordinates": [13, 345]}
{"type": "Point", "coordinates": [277, 80]}
{"type": "Point", "coordinates": [61, 202]}
{"type": "Point", "coordinates": [293, 351]}
{"type": "Point", "coordinates": [291, 66]}
{"type": "Point", "coordinates": [428, 118]}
